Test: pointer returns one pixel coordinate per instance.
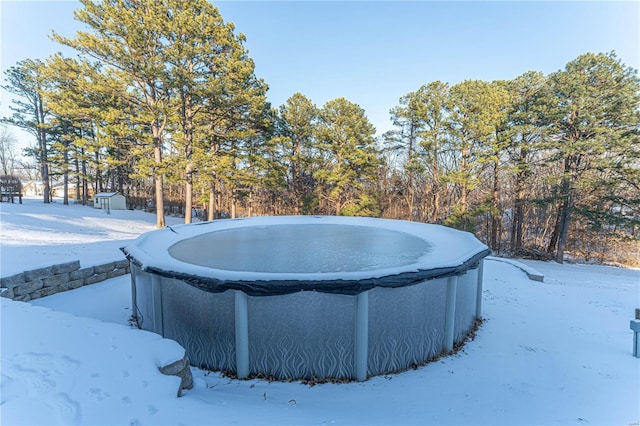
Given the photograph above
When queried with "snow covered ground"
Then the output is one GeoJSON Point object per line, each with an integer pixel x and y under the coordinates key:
{"type": "Point", "coordinates": [557, 352]}
{"type": "Point", "coordinates": [36, 234]}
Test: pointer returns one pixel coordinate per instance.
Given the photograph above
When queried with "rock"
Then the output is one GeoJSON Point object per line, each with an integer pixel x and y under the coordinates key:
{"type": "Point", "coordinates": [72, 285]}
{"type": "Point", "coordinates": [36, 274]}
{"type": "Point", "coordinates": [12, 281]}
{"type": "Point", "coordinates": [43, 292]}
{"type": "Point", "coordinates": [121, 264]}
{"type": "Point", "coordinates": [181, 369]}
{"type": "Point", "coordinates": [7, 292]}
{"type": "Point", "coordinates": [102, 269]}
{"type": "Point", "coordinates": [95, 278]}
{"type": "Point", "coordinates": [27, 288]}
{"type": "Point", "coordinates": [116, 273]}
{"type": "Point", "coordinates": [61, 268]}
{"type": "Point", "coordinates": [81, 274]}
{"type": "Point", "coordinates": [56, 280]}
{"type": "Point", "coordinates": [23, 298]}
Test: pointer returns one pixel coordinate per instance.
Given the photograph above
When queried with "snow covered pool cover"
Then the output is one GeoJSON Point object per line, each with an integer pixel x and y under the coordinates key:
{"type": "Point", "coordinates": [301, 248]}
{"type": "Point", "coordinates": [286, 254]}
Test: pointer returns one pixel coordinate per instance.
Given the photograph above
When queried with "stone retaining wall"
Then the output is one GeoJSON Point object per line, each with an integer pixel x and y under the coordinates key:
{"type": "Point", "coordinates": [41, 282]}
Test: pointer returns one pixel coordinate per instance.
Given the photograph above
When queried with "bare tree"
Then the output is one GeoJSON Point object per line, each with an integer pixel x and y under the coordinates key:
{"type": "Point", "coordinates": [7, 151]}
{"type": "Point", "coordinates": [27, 169]}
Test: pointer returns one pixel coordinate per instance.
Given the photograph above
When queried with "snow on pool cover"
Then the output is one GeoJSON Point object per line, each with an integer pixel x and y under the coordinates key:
{"type": "Point", "coordinates": [348, 297]}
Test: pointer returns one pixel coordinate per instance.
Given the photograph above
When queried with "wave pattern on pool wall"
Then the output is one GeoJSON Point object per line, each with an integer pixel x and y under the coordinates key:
{"type": "Point", "coordinates": [465, 302]}
{"type": "Point", "coordinates": [204, 331]}
{"type": "Point", "coordinates": [406, 325]}
{"type": "Point", "coordinates": [302, 335]}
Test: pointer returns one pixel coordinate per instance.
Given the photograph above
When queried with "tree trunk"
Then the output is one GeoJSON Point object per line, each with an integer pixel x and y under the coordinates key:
{"type": "Point", "coordinates": [78, 182]}
{"type": "Point", "coordinates": [85, 182]}
{"type": "Point", "coordinates": [570, 164]}
{"type": "Point", "coordinates": [516, 225]}
{"type": "Point", "coordinates": [187, 119]}
{"type": "Point", "coordinates": [295, 170]}
{"type": "Point", "coordinates": [44, 155]}
{"type": "Point", "coordinates": [234, 199]}
{"type": "Point", "coordinates": [565, 222]}
{"type": "Point", "coordinates": [494, 209]}
{"type": "Point", "coordinates": [65, 176]}
{"type": "Point", "coordinates": [159, 185]}
{"type": "Point", "coordinates": [410, 189]}
{"type": "Point", "coordinates": [436, 186]}
{"type": "Point", "coordinates": [463, 185]}
{"type": "Point", "coordinates": [188, 185]}
{"type": "Point", "coordinates": [553, 242]}
{"type": "Point", "coordinates": [44, 171]}
{"type": "Point", "coordinates": [120, 181]}
{"type": "Point", "coordinates": [99, 185]}
{"type": "Point", "coordinates": [212, 202]}
{"type": "Point", "coordinates": [234, 203]}
{"type": "Point", "coordinates": [188, 194]}
{"type": "Point", "coordinates": [436, 204]}
{"type": "Point", "coordinates": [518, 211]}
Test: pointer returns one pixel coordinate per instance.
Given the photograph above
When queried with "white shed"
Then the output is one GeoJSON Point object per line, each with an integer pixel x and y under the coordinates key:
{"type": "Point", "coordinates": [109, 201]}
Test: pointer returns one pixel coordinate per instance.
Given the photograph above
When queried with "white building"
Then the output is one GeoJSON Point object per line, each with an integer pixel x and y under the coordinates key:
{"type": "Point", "coordinates": [32, 188]}
{"type": "Point", "coordinates": [110, 201]}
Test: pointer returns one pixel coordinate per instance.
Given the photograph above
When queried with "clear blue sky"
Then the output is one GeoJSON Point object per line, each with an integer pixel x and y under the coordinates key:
{"type": "Point", "coordinates": [374, 52]}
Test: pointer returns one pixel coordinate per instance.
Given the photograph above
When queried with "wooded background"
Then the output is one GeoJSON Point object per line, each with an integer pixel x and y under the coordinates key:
{"type": "Point", "coordinates": [162, 104]}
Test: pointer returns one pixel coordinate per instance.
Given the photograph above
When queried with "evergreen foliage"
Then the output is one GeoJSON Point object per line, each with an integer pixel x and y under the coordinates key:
{"type": "Point", "coordinates": [162, 104]}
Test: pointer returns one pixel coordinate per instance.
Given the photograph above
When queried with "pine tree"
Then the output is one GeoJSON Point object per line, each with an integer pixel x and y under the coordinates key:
{"type": "Point", "coordinates": [496, 109]}
{"type": "Point", "coordinates": [209, 69]}
{"type": "Point", "coordinates": [406, 118]}
{"type": "Point", "coordinates": [594, 113]}
{"type": "Point", "coordinates": [433, 112]}
{"type": "Point", "coordinates": [345, 139]}
{"type": "Point", "coordinates": [473, 115]}
{"type": "Point", "coordinates": [27, 80]}
{"type": "Point", "coordinates": [129, 42]}
{"type": "Point", "coordinates": [68, 98]}
{"type": "Point", "coordinates": [298, 119]}
{"type": "Point", "coordinates": [525, 136]}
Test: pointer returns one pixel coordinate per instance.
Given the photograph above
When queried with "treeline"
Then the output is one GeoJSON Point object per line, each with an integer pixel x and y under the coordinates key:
{"type": "Point", "coordinates": [163, 105]}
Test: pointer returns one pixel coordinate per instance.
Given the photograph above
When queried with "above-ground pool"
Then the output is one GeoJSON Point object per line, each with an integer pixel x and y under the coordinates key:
{"type": "Point", "coordinates": [308, 297]}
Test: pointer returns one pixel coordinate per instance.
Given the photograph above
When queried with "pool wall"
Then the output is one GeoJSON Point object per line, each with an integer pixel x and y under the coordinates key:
{"type": "Point", "coordinates": [408, 292]}
{"type": "Point", "coordinates": [310, 334]}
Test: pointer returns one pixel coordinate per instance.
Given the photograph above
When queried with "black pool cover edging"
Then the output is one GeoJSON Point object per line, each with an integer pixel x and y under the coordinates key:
{"type": "Point", "coordinates": [280, 287]}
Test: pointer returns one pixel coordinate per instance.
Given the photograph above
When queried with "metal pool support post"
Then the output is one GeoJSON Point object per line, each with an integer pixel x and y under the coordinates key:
{"type": "Point", "coordinates": [479, 289]}
{"type": "Point", "coordinates": [134, 302]}
{"type": "Point", "coordinates": [156, 296]}
{"type": "Point", "coordinates": [450, 313]}
{"type": "Point", "coordinates": [242, 334]}
{"type": "Point", "coordinates": [362, 336]}
{"type": "Point", "coordinates": [635, 326]}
